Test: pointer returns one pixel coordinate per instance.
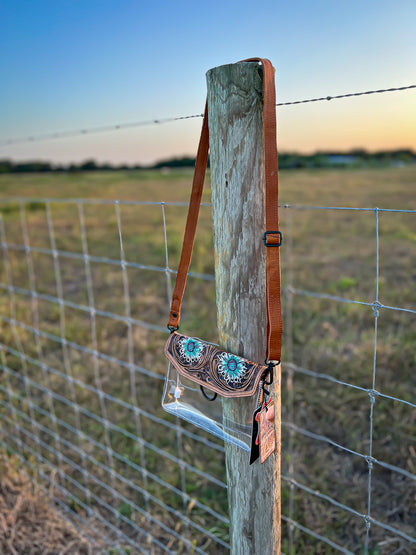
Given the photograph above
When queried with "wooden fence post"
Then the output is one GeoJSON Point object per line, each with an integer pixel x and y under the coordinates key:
{"type": "Point", "coordinates": [237, 184]}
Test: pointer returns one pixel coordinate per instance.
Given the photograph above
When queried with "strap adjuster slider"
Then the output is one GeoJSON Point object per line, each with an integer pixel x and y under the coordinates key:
{"type": "Point", "coordinates": [274, 244]}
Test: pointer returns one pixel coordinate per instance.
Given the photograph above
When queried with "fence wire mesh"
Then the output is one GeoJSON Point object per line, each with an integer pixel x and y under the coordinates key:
{"type": "Point", "coordinates": [86, 287]}
{"type": "Point", "coordinates": [350, 389]}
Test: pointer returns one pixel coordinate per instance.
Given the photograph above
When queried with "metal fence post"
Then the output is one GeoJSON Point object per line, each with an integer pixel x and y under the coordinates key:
{"type": "Point", "coordinates": [237, 183]}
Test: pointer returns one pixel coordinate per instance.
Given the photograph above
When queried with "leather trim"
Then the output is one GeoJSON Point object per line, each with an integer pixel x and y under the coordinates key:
{"type": "Point", "coordinates": [224, 373]}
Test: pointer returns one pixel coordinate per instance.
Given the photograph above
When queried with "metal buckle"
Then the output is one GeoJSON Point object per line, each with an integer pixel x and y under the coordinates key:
{"type": "Point", "coordinates": [266, 233]}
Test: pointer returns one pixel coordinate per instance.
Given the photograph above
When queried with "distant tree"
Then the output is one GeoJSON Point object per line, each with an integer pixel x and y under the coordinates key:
{"type": "Point", "coordinates": [6, 166]}
{"type": "Point", "coordinates": [404, 155]}
{"type": "Point", "coordinates": [184, 162]}
{"type": "Point", "coordinates": [88, 165]}
{"type": "Point", "coordinates": [357, 157]}
{"type": "Point", "coordinates": [359, 152]}
{"type": "Point", "coordinates": [32, 166]}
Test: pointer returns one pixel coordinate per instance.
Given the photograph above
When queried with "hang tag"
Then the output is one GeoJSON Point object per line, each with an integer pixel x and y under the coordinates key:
{"type": "Point", "coordinates": [255, 447]}
{"type": "Point", "coordinates": [267, 436]}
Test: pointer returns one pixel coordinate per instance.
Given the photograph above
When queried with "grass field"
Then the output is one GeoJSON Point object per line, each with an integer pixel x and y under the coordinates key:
{"type": "Point", "coordinates": [329, 253]}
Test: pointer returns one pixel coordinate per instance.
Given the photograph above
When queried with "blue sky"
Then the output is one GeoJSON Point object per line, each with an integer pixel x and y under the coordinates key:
{"type": "Point", "coordinates": [73, 64]}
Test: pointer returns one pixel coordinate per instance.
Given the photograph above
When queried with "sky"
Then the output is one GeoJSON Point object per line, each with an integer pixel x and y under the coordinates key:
{"type": "Point", "coordinates": [79, 64]}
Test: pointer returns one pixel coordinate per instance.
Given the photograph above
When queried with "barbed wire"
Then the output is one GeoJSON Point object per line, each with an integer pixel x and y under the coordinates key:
{"type": "Point", "coordinates": [156, 121]}
{"type": "Point", "coordinates": [93, 130]}
{"type": "Point", "coordinates": [346, 95]}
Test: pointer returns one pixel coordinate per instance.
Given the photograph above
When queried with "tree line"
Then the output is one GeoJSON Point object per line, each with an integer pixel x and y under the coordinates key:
{"type": "Point", "coordinates": [353, 158]}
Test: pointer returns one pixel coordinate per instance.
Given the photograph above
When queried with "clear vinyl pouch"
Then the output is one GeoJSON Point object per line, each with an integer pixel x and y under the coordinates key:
{"type": "Point", "coordinates": [184, 399]}
{"type": "Point", "coordinates": [194, 398]}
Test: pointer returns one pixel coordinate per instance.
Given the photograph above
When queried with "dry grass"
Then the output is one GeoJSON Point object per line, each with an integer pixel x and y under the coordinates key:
{"type": "Point", "coordinates": [29, 525]}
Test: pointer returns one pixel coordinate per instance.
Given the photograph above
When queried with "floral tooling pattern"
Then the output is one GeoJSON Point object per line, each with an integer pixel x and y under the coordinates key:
{"type": "Point", "coordinates": [231, 368]}
{"type": "Point", "coordinates": [205, 364]}
{"type": "Point", "coordinates": [191, 349]}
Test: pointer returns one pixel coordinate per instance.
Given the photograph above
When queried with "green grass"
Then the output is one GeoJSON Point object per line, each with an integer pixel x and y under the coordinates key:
{"type": "Point", "coordinates": [324, 252]}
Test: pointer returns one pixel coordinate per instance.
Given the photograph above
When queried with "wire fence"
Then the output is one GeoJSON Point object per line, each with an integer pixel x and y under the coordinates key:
{"type": "Point", "coordinates": [82, 379]}
{"type": "Point", "coordinates": [376, 477]}
{"type": "Point", "coordinates": [73, 404]}
{"type": "Point", "coordinates": [86, 288]}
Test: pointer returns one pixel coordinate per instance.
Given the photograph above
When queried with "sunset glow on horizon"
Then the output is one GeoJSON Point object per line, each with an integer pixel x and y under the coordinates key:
{"type": "Point", "coordinates": [71, 66]}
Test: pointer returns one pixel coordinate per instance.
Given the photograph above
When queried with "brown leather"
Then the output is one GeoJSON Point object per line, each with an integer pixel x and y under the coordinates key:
{"type": "Point", "coordinates": [193, 213]}
{"type": "Point", "coordinates": [226, 374]}
{"type": "Point", "coordinates": [272, 237]}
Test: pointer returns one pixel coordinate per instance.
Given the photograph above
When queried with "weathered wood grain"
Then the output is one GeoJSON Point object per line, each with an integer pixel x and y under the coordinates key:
{"type": "Point", "coordinates": [237, 181]}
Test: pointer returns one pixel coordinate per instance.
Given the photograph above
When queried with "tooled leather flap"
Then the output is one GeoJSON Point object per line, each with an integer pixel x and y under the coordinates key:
{"type": "Point", "coordinates": [227, 374]}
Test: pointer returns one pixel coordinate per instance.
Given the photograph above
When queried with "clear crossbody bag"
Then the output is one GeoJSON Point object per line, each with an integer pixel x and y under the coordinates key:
{"type": "Point", "coordinates": [200, 375]}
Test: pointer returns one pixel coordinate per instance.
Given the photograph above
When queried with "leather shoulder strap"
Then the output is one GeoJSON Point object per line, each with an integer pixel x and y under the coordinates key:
{"type": "Point", "coordinates": [190, 228]}
{"type": "Point", "coordinates": [272, 235]}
